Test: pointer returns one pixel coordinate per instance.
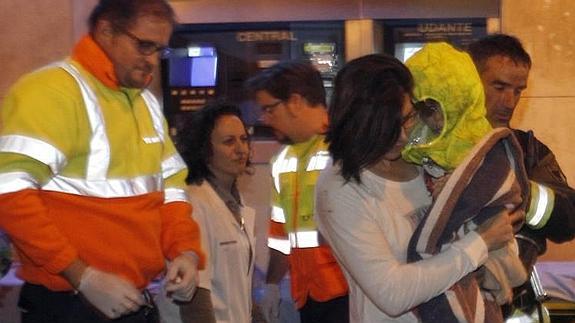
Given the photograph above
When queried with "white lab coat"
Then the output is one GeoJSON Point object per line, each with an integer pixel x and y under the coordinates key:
{"type": "Point", "coordinates": [228, 272]}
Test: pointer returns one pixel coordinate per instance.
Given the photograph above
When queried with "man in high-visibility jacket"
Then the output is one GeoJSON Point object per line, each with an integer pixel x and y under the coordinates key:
{"type": "Point", "coordinates": [292, 99]}
{"type": "Point", "coordinates": [503, 65]}
{"type": "Point", "coordinates": [91, 186]}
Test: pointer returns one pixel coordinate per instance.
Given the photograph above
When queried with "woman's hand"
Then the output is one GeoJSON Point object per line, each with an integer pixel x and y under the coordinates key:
{"type": "Point", "coordinates": [499, 230]}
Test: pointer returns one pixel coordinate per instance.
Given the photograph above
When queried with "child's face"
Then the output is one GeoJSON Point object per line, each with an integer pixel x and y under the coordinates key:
{"type": "Point", "coordinates": [431, 114]}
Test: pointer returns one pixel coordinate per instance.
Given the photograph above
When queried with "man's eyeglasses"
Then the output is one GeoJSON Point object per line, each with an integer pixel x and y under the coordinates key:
{"type": "Point", "coordinates": [268, 108]}
{"type": "Point", "coordinates": [146, 47]}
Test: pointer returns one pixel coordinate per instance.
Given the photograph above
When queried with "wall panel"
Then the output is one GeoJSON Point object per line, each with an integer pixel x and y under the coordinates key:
{"type": "Point", "coordinates": [548, 104]}
{"type": "Point", "coordinates": [32, 33]}
{"type": "Point", "coordinates": [429, 9]}
{"type": "Point", "coordinates": [206, 11]}
{"type": "Point", "coordinates": [546, 28]}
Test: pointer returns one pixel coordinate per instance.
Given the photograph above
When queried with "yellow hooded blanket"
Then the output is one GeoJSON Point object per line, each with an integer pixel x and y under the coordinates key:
{"type": "Point", "coordinates": [447, 76]}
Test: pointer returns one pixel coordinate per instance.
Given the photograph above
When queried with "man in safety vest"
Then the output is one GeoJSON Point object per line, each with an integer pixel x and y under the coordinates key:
{"type": "Point", "coordinates": [503, 65]}
{"type": "Point", "coordinates": [292, 100]}
{"type": "Point", "coordinates": [91, 187]}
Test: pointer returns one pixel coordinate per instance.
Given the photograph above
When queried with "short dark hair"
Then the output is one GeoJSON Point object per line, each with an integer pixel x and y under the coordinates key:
{"type": "Point", "coordinates": [290, 77]}
{"type": "Point", "coordinates": [366, 111]}
{"type": "Point", "coordinates": [498, 45]}
{"type": "Point", "coordinates": [123, 13]}
{"type": "Point", "coordinates": [194, 140]}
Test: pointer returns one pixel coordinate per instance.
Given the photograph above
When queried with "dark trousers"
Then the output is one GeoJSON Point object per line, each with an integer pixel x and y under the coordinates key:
{"type": "Point", "coordinates": [41, 305]}
{"type": "Point", "coordinates": [332, 311]}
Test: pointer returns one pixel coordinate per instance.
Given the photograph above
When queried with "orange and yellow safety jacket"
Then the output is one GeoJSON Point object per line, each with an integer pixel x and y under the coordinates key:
{"type": "Point", "coordinates": [314, 271]}
{"type": "Point", "coordinates": [88, 171]}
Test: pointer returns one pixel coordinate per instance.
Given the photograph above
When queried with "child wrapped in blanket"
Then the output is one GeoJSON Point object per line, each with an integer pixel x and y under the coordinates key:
{"type": "Point", "coordinates": [473, 172]}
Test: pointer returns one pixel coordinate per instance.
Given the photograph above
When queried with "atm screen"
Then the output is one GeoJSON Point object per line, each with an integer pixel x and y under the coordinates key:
{"type": "Point", "coordinates": [403, 51]}
{"type": "Point", "coordinates": [198, 68]}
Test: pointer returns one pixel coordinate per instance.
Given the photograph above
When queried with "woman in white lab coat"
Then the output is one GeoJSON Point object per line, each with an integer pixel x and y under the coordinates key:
{"type": "Point", "coordinates": [216, 148]}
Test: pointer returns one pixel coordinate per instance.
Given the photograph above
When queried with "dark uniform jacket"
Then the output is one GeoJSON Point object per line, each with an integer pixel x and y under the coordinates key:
{"type": "Point", "coordinates": [542, 167]}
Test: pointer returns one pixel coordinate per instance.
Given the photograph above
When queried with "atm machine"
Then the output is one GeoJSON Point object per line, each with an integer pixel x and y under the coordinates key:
{"type": "Point", "coordinates": [212, 61]}
{"type": "Point", "coordinates": [191, 76]}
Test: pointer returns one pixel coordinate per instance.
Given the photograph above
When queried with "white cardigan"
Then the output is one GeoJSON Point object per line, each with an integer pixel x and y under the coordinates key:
{"type": "Point", "coordinates": [369, 227]}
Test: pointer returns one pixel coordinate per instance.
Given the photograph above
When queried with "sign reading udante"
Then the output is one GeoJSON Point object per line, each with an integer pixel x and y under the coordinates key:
{"type": "Point", "coordinates": [456, 31]}
{"type": "Point", "coordinates": [446, 28]}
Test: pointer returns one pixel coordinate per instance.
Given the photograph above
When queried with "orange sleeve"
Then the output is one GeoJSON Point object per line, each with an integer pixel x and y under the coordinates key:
{"type": "Point", "coordinates": [277, 230]}
{"type": "Point", "coordinates": [24, 217]}
{"type": "Point", "coordinates": [180, 232]}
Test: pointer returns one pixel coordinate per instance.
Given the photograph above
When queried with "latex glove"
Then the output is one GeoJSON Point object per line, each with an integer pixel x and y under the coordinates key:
{"type": "Point", "coordinates": [110, 294]}
{"type": "Point", "coordinates": [270, 303]}
{"type": "Point", "coordinates": [182, 277]}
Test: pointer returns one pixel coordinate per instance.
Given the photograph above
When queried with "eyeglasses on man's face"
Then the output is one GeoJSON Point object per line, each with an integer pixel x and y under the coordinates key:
{"type": "Point", "coordinates": [146, 47]}
{"type": "Point", "coordinates": [269, 108]}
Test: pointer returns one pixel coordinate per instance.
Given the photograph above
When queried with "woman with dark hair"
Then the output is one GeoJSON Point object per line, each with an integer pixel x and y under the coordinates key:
{"type": "Point", "coordinates": [215, 146]}
{"type": "Point", "coordinates": [369, 202]}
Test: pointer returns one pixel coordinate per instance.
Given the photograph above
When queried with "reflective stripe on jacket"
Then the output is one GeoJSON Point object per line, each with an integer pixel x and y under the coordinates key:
{"type": "Point", "coordinates": [86, 172]}
{"type": "Point", "coordinates": [96, 182]}
{"type": "Point", "coordinates": [313, 269]}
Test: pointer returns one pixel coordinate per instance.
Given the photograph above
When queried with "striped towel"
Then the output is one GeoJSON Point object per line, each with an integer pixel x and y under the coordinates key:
{"type": "Point", "coordinates": [492, 177]}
